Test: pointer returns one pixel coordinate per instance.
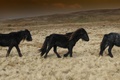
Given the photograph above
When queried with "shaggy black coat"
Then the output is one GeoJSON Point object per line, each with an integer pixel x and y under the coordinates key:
{"type": "Point", "coordinates": [67, 40]}
{"type": "Point", "coordinates": [13, 39]}
{"type": "Point", "coordinates": [110, 40]}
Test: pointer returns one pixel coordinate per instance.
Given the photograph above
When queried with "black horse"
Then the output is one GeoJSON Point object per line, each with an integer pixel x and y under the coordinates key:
{"type": "Point", "coordinates": [67, 40]}
{"type": "Point", "coordinates": [13, 39]}
{"type": "Point", "coordinates": [110, 40]}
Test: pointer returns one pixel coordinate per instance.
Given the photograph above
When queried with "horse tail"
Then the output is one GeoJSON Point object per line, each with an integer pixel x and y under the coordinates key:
{"type": "Point", "coordinates": [103, 44]}
{"type": "Point", "coordinates": [44, 46]}
{"type": "Point", "coordinates": [105, 38]}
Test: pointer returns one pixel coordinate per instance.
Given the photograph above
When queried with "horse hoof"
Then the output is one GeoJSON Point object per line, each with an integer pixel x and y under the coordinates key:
{"type": "Point", "coordinates": [45, 56]}
{"type": "Point", "coordinates": [70, 56]}
{"type": "Point", "coordinates": [20, 55]}
{"type": "Point", "coordinates": [110, 55]}
{"type": "Point", "coordinates": [59, 56]}
{"type": "Point", "coordinates": [100, 54]}
{"type": "Point", "coordinates": [41, 54]}
{"type": "Point", "coordinates": [65, 55]}
{"type": "Point", "coordinates": [6, 55]}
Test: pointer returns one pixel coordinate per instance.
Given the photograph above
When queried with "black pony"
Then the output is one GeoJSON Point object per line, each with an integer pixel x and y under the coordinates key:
{"type": "Point", "coordinates": [13, 39]}
{"type": "Point", "coordinates": [110, 40]}
{"type": "Point", "coordinates": [67, 40]}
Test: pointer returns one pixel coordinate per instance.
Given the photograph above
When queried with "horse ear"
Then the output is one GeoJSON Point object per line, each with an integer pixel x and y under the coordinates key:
{"type": "Point", "coordinates": [82, 30]}
{"type": "Point", "coordinates": [26, 29]}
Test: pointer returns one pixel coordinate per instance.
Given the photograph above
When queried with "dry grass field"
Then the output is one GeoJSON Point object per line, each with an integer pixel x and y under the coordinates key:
{"type": "Point", "coordinates": [84, 65]}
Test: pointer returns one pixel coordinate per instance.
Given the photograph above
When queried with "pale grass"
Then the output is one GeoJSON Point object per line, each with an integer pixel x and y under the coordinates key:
{"type": "Point", "coordinates": [84, 65]}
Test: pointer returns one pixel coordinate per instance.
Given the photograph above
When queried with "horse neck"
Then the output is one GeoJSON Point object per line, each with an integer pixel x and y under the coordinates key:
{"type": "Point", "coordinates": [21, 36]}
{"type": "Point", "coordinates": [75, 39]}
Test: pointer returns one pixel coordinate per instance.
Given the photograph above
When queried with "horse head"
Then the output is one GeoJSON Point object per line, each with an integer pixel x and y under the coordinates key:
{"type": "Point", "coordinates": [84, 35]}
{"type": "Point", "coordinates": [80, 33]}
{"type": "Point", "coordinates": [27, 35]}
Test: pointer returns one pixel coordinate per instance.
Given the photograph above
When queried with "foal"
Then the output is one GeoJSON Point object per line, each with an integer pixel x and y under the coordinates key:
{"type": "Point", "coordinates": [67, 40]}
{"type": "Point", "coordinates": [13, 39]}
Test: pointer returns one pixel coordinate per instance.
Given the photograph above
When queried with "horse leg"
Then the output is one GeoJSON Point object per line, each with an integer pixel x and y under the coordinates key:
{"type": "Point", "coordinates": [42, 53]}
{"type": "Point", "coordinates": [109, 50]}
{"type": "Point", "coordinates": [101, 51]}
{"type": "Point", "coordinates": [49, 48]}
{"type": "Point", "coordinates": [55, 50]}
{"type": "Point", "coordinates": [9, 50]}
{"type": "Point", "coordinates": [102, 48]}
{"type": "Point", "coordinates": [18, 50]}
{"type": "Point", "coordinates": [69, 52]}
{"type": "Point", "coordinates": [65, 55]}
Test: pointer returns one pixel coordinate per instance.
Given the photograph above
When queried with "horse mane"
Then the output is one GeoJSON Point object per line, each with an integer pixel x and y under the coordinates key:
{"type": "Point", "coordinates": [68, 35]}
{"type": "Point", "coordinates": [20, 33]}
{"type": "Point", "coordinates": [75, 33]}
